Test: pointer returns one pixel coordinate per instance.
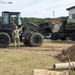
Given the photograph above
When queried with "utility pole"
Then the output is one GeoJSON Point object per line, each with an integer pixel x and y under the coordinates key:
{"type": "Point", "coordinates": [53, 14]}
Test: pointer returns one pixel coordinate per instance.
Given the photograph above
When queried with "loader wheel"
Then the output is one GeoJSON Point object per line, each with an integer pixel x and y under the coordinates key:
{"type": "Point", "coordinates": [54, 36]}
{"type": "Point", "coordinates": [63, 38]}
{"type": "Point", "coordinates": [36, 40]}
{"type": "Point", "coordinates": [4, 40]}
{"type": "Point", "coordinates": [73, 37]}
{"type": "Point", "coordinates": [26, 43]}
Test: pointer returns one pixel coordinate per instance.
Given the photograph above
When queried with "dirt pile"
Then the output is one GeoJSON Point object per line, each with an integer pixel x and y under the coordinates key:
{"type": "Point", "coordinates": [55, 22]}
{"type": "Point", "coordinates": [67, 54]}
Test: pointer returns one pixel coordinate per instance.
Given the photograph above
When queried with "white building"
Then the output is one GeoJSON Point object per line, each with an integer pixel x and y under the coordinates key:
{"type": "Point", "coordinates": [71, 14]}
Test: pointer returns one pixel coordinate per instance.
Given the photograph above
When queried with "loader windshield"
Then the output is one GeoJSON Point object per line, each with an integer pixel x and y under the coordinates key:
{"type": "Point", "coordinates": [19, 20]}
{"type": "Point", "coordinates": [13, 19]}
{"type": "Point", "coordinates": [10, 18]}
{"type": "Point", "coordinates": [16, 19]}
{"type": "Point", "coordinates": [5, 18]}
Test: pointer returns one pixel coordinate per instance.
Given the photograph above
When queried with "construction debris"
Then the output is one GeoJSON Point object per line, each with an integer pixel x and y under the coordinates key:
{"type": "Point", "coordinates": [63, 56]}
{"type": "Point", "coordinates": [55, 22]}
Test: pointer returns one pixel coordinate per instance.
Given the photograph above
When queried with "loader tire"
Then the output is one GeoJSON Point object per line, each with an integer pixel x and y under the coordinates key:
{"type": "Point", "coordinates": [26, 43]}
{"type": "Point", "coordinates": [54, 36]}
{"type": "Point", "coordinates": [36, 40]}
{"type": "Point", "coordinates": [63, 38]}
{"type": "Point", "coordinates": [4, 40]}
{"type": "Point", "coordinates": [26, 40]}
{"type": "Point", "coordinates": [73, 36]}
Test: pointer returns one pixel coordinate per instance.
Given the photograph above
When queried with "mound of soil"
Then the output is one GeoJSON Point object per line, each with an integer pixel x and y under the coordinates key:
{"type": "Point", "coordinates": [55, 22]}
{"type": "Point", "coordinates": [68, 54]}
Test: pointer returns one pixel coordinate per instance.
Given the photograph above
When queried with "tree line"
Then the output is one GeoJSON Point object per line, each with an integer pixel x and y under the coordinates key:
{"type": "Point", "coordinates": [37, 21]}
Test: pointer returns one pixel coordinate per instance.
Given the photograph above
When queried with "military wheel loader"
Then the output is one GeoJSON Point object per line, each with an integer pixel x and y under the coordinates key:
{"type": "Point", "coordinates": [29, 35]}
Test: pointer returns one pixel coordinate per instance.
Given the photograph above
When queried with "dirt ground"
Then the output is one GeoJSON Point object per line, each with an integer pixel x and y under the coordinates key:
{"type": "Point", "coordinates": [53, 46]}
{"type": "Point", "coordinates": [23, 60]}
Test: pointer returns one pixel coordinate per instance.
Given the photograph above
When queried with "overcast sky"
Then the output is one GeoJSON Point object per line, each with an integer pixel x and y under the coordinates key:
{"type": "Point", "coordinates": [38, 8]}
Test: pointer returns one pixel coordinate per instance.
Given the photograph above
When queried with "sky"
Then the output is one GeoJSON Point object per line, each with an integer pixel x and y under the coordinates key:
{"type": "Point", "coordinates": [38, 8]}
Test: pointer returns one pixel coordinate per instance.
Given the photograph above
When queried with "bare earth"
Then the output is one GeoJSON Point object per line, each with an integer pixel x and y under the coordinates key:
{"type": "Point", "coordinates": [22, 61]}
{"type": "Point", "coordinates": [53, 47]}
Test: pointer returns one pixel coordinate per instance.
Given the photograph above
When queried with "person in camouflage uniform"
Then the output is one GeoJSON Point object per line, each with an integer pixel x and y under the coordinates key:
{"type": "Point", "coordinates": [16, 37]}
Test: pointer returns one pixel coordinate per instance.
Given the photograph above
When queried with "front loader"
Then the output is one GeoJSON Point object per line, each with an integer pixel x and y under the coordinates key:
{"type": "Point", "coordinates": [29, 35]}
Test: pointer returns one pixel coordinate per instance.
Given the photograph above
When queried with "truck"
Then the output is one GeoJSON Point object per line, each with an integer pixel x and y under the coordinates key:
{"type": "Point", "coordinates": [30, 34]}
{"type": "Point", "coordinates": [66, 30]}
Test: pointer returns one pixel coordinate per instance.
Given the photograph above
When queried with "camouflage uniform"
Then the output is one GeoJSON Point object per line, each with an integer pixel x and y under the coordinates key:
{"type": "Point", "coordinates": [16, 37]}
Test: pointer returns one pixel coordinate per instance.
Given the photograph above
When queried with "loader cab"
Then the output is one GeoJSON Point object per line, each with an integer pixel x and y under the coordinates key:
{"type": "Point", "coordinates": [10, 19]}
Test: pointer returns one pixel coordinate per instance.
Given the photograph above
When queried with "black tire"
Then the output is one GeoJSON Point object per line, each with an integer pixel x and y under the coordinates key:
{"type": "Point", "coordinates": [26, 43]}
{"type": "Point", "coordinates": [73, 36]}
{"type": "Point", "coordinates": [54, 36]}
{"type": "Point", "coordinates": [63, 38]}
{"type": "Point", "coordinates": [36, 40]}
{"type": "Point", "coordinates": [5, 40]}
{"type": "Point", "coordinates": [26, 40]}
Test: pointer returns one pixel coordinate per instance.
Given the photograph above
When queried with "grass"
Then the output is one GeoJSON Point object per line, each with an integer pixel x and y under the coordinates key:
{"type": "Point", "coordinates": [22, 62]}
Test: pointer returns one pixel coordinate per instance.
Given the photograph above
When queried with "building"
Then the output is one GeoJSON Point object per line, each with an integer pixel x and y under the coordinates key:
{"type": "Point", "coordinates": [71, 14]}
